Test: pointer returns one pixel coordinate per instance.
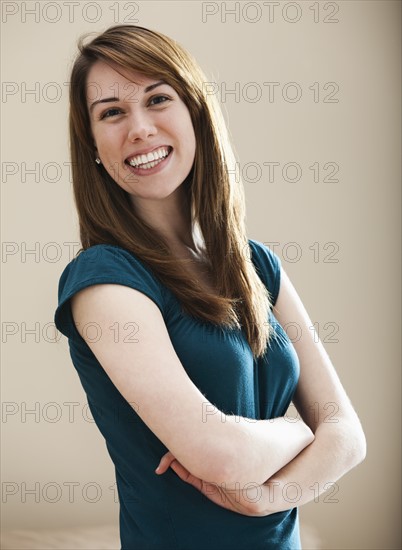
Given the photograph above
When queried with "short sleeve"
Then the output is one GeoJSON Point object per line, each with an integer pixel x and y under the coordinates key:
{"type": "Point", "coordinates": [102, 264]}
{"type": "Point", "coordinates": [268, 267]}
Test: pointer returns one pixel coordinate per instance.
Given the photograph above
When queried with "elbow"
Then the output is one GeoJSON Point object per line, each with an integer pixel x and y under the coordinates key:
{"type": "Point", "coordinates": [360, 446]}
{"type": "Point", "coordinates": [228, 470]}
{"type": "Point", "coordinates": [359, 441]}
{"type": "Point", "coordinates": [232, 477]}
{"type": "Point", "coordinates": [357, 445]}
{"type": "Point", "coordinates": [238, 470]}
{"type": "Point", "coordinates": [347, 441]}
{"type": "Point", "coordinates": [217, 466]}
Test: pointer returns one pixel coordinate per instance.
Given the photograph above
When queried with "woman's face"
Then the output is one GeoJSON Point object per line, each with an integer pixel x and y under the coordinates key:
{"type": "Point", "coordinates": [142, 131]}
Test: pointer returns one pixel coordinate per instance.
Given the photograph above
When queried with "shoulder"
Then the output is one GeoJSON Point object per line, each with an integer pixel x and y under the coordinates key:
{"type": "Point", "coordinates": [105, 264]}
{"type": "Point", "coordinates": [105, 261]}
{"type": "Point", "coordinates": [101, 254]}
{"type": "Point", "coordinates": [262, 252]}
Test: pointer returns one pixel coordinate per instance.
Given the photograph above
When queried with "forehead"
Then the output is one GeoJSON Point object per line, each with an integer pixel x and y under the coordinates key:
{"type": "Point", "coordinates": [104, 79]}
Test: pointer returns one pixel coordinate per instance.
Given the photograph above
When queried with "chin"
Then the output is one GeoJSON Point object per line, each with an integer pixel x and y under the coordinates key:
{"type": "Point", "coordinates": [155, 192]}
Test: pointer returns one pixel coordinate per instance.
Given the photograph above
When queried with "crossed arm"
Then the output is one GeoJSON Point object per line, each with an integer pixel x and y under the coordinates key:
{"type": "Point", "coordinates": [339, 442]}
{"type": "Point", "coordinates": [322, 402]}
{"type": "Point", "coordinates": [223, 451]}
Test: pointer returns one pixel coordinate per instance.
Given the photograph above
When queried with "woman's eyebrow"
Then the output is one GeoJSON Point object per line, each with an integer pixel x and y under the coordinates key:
{"type": "Point", "coordinates": [110, 99]}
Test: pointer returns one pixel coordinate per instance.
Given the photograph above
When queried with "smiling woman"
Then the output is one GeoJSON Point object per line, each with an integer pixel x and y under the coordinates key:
{"type": "Point", "coordinates": [189, 314]}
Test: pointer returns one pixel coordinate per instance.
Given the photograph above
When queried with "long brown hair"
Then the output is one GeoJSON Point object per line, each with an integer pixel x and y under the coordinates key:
{"type": "Point", "coordinates": [214, 193]}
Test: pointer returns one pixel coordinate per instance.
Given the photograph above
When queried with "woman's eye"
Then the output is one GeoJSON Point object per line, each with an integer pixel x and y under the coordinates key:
{"type": "Point", "coordinates": [110, 112]}
{"type": "Point", "coordinates": [159, 99]}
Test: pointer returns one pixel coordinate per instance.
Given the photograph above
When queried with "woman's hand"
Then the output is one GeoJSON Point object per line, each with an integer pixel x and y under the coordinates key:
{"type": "Point", "coordinates": [250, 501]}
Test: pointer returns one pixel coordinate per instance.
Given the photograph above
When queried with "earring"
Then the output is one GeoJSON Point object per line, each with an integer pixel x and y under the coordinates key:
{"type": "Point", "coordinates": [98, 160]}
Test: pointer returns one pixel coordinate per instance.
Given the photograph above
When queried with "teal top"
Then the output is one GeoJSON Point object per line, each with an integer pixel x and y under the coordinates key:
{"type": "Point", "coordinates": [163, 512]}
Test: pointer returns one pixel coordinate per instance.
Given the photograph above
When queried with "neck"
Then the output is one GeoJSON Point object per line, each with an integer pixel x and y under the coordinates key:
{"type": "Point", "coordinates": [170, 217]}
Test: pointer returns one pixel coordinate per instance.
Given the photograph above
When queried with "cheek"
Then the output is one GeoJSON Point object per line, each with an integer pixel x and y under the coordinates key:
{"type": "Point", "coordinates": [189, 137]}
{"type": "Point", "coordinates": [180, 121]}
{"type": "Point", "coordinates": [106, 140]}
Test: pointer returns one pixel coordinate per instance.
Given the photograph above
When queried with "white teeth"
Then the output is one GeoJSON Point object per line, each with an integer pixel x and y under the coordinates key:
{"type": "Point", "coordinates": [145, 160]}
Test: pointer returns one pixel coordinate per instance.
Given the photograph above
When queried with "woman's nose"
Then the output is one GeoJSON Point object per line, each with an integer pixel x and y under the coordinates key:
{"type": "Point", "coordinates": [141, 127]}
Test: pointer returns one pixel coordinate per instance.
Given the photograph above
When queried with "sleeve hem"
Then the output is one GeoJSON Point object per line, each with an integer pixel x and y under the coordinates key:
{"type": "Point", "coordinates": [63, 313]}
{"type": "Point", "coordinates": [268, 267]}
{"type": "Point", "coordinates": [277, 284]}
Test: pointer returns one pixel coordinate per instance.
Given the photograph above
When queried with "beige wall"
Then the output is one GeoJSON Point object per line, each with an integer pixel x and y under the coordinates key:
{"type": "Point", "coordinates": [358, 295]}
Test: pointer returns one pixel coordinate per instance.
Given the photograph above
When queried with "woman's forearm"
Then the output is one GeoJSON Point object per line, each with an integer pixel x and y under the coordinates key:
{"type": "Point", "coordinates": [337, 448]}
{"type": "Point", "coordinates": [259, 448]}
{"type": "Point", "coordinates": [334, 451]}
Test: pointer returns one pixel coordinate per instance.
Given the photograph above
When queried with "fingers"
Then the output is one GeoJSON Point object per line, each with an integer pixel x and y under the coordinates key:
{"type": "Point", "coordinates": [186, 476]}
{"type": "Point", "coordinates": [181, 471]}
{"type": "Point", "coordinates": [165, 463]}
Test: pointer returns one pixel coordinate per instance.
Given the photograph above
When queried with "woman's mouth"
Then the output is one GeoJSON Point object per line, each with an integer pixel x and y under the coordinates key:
{"type": "Point", "coordinates": [151, 162]}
